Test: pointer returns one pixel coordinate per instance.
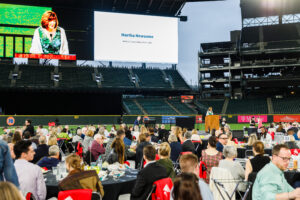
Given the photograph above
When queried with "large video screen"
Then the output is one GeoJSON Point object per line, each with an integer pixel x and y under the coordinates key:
{"type": "Point", "coordinates": [18, 23]}
{"type": "Point", "coordinates": [135, 38]}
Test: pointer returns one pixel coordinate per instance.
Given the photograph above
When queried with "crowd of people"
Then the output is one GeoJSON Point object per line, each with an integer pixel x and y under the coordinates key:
{"type": "Point", "coordinates": [157, 153]}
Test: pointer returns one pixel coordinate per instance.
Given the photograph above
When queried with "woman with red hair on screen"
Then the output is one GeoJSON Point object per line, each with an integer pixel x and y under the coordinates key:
{"type": "Point", "coordinates": [49, 38]}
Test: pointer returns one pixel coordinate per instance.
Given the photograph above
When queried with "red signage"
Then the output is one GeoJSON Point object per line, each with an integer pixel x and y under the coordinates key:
{"type": "Point", "coordinates": [51, 124]}
{"type": "Point", "coordinates": [247, 118]}
{"type": "Point", "coordinates": [198, 119]}
{"type": "Point", "coordinates": [286, 118]}
{"type": "Point", "coordinates": [10, 121]}
{"type": "Point", "coordinates": [45, 56]}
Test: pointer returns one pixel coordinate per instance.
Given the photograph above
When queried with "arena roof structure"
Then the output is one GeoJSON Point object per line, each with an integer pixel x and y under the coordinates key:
{"type": "Point", "coordinates": [266, 8]}
{"type": "Point", "coordinates": [151, 7]}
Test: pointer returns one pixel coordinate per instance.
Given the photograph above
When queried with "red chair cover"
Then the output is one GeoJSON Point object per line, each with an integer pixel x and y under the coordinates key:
{"type": "Point", "coordinates": [79, 149]}
{"type": "Point", "coordinates": [202, 170]}
{"type": "Point", "coordinates": [163, 189]}
{"type": "Point", "coordinates": [295, 152]}
{"type": "Point", "coordinates": [28, 195]}
{"type": "Point", "coordinates": [80, 194]}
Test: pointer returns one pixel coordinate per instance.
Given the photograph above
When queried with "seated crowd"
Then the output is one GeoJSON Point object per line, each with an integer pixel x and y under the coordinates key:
{"type": "Point", "coordinates": [156, 152]}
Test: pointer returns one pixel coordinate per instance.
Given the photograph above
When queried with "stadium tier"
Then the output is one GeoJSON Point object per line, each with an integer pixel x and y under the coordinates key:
{"type": "Point", "coordinates": [247, 106]}
{"type": "Point", "coordinates": [50, 77]}
{"type": "Point", "coordinates": [203, 105]}
{"type": "Point", "coordinates": [289, 105]}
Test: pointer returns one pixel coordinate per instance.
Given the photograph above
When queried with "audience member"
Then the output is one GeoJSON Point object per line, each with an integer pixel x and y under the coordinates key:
{"type": "Point", "coordinates": [9, 191]}
{"type": "Point", "coordinates": [97, 147]}
{"type": "Point", "coordinates": [52, 140]}
{"type": "Point", "coordinates": [27, 136]}
{"type": "Point", "coordinates": [251, 140]}
{"type": "Point", "coordinates": [223, 139]}
{"type": "Point", "coordinates": [270, 182]}
{"type": "Point", "coordinates": [7, 168]}
{"type": "Point", "coordinates": [64, 134]}
{"type": "Point", "coordinates": [30, 175]}
{"type": "Point", "coordinates": [235, 168]}
{"type": "Point", "coordinates": [117, 153]}
{"type": "Point", "coordinates": [188, 145]}
{"type": "Point", "coordinates": [42, 131]}
{"type": "Point", "coordinates": [195, 136]}
{"type": "Point", "coordinates": [29, 127]}
{"type": "Point", "coordinates": [175, 147]}
{"type": "Point", "coordinates": [149, 174]}
{"type": "Point", "coordinates": [77, 137]}
{"type": "Point", "coordinates": [211, 156]}
{"type": "Point", "coordinates": [52, 160]}
{"type": "Point", "coordinates": [41, 150]}
{"type": "Point", "coordinates": [163, 134]}
{"type": "Point", "coordinates": [230, 142]}
{"type": "Point", "coordinates": [154, 138]}
{"type": "Point", "coordinates": [189, 164]}
{"type": "Point", "coordinates": [186, 187]}
{"type": "Point", "coordinates": [15, 138]}
{"type": "Point", "coordinates": [79, 179]}
{"type": "Point", "coordinates": [259, 161]}
{"type": "Point", "coordinates": [120, 134]}
{"type": "Point", "coordinates": [144, 141]}
{"type": "Point", "coordinates": [88, 139]}
{"type": "Point", "coordinates": [164, 155]}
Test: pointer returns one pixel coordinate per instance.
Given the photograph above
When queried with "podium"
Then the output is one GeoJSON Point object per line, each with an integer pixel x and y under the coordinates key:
{"type": "Point", "coordinates": [211, 122]}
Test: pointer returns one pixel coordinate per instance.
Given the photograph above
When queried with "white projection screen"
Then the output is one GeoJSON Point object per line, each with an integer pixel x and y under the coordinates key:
{"type": "Point", "coordinates": [135, 38]}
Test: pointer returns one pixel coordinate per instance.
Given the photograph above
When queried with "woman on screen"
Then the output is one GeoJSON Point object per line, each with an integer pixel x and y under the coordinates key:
{"type": "Point", "coordinates": [49, 38]}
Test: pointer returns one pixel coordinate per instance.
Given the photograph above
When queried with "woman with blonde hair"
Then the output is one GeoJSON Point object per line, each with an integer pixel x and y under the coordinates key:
{"type": "Point", "coordinates": [176, 148]}
{"type": "Point", "coordinates": [195, 136]}
{"type": "Point", "coordinates": [52, 140]}
{"type": "Point", "coordinates": [9, 191]}
{"type": "Point", "coordinates": [79, 179]}
{"type": "Point", "coordinates": [252, 139]}
{"type": "Point", "coordinates": [164, 152]}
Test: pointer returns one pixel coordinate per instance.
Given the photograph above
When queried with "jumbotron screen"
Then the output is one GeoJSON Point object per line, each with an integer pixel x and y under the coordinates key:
{"type": "Point", "coordinates": [135, 38]}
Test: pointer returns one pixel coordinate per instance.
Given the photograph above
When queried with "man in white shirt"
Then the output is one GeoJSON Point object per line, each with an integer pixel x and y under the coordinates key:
{"type": "Point", "coordinates": [30, 175]}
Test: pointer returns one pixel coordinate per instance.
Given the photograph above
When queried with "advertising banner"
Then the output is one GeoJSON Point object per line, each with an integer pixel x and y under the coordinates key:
{"type": "Point", "coordinates": [246, 118]}
{"type": "Point", "coordinates": [286, 118]}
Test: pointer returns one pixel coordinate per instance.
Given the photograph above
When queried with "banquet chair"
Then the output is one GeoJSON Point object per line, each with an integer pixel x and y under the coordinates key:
{"type": "Point", "coordinates": [225, 187]}
{"type": "Point", "coordinates": [79, 194]}
{"type": "Point", "coordinates": [198, 148]}
{"type": "Point", "coordinates": [161, 189]}
{"type": "Point", "coordinates": [29, 196]}
{"type": "Point", "coordinates": [248, 153]}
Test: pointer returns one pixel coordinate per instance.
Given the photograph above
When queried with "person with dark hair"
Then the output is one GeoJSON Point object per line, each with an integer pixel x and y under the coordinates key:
{"type": "Point", "coordinates": [120, 134]}
{"type": "Point", "coordinates": [30, 175]}
{"type": "Point", "coordinates": [186, 187]}
{"type": "Point", "coordinates": [163, 134]}
{"type": "Point", "coordinates": [270, 182]}
{"type": "Point", "coordinates": [15, 138]}
{"type": "Point", "coordinates": [7, 168]}
{"type": "Point", "coordinates": [187, 145]}
{"type": "Point", "coordinates": [154, 138]}
{"type": "Point", "coordinates": [148, 175]}
{"type": "Point", "coordinates": [223, 139]}
{"type": "Point", "coordinates": [27, 136]}
{"type": "Point", "coordinates": [117, 153]}
{"type": "Point", "coordinates": [259, 161]}
{"type": "Point", "coordinates": [29, 127]}
{"type": "Point", "coordinates": [144, 140]}
{"type": "Point", "coordinates": [211, 156]}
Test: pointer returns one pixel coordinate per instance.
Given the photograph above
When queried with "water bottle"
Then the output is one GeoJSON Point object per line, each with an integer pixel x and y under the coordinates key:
{"type": "Point", "coordinates": [99, 163]}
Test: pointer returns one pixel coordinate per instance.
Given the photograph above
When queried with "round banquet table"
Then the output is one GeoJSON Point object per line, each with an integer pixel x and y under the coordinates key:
{"type": "Point", "coordinates": [112, 188]}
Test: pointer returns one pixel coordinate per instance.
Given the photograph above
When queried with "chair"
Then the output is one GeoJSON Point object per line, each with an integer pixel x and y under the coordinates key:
{"type": "Point", "coordinates": [198, 148]}
{"type": "Point", "coordinates": [80, 194]}
{"type": "Point", "coordinates": [161, 189]}
{"type": "Point", "coordinates": [248, 153]}
{"type": "Point", "coordinates": [202, 170]}
{"type": "Point", "coordinates": [251, 178]}
{"type": "Point", "coordinates": [88, 157]}
{"type": "Point", "coordinates": [29, 196]}
{"type": "Point", "coordinates": [224, 186]}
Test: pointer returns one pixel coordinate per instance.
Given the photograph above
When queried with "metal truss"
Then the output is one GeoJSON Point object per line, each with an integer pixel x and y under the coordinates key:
{"type": "Point", "coordinates": [292, 18]}
{"type": "Point", "coordinates": [260, 21]}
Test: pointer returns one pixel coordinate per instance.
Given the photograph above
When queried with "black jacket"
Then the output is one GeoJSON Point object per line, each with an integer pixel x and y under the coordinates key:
{"type": "Point", "coordinates": [29, 128]}
{"type": "Point", "coordinates": [145, 179]}
{"type": "Point", "coordinates": [139, 153]}
{"type": "Point", "coordinates": [163, 135]}
{"type": "Point", "coordinates": [41, 151]}
{"type": "Point", "coordinates": [188, 146]}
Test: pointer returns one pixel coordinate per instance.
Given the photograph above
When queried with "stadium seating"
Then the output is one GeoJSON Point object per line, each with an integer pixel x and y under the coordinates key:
{"type": "Point", "coordinates": [182, 107]}
{"type": "Point", "coordinates": [35, 76]}
{"type": "Point", "coordinates": [115, 77]}
{"type": "Point", "coordinates": [177, 79]}
{"type": "Point", "coordinates": [5, 71]}
{"type": "Point", "coordinates": [151, 78]}
{"type": "Point", "coordinates": [77, 77]}
{"type": "Point", "coordinates": [131, 107]}
{"type": "Point", "coordinates": [156, 106]}
{"type": "Point", "coordinates": [247, 106]}
{"type": "Point", "coordinates": [203, 105]}
{"type": "Point", "coordinates": [286, 106]}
